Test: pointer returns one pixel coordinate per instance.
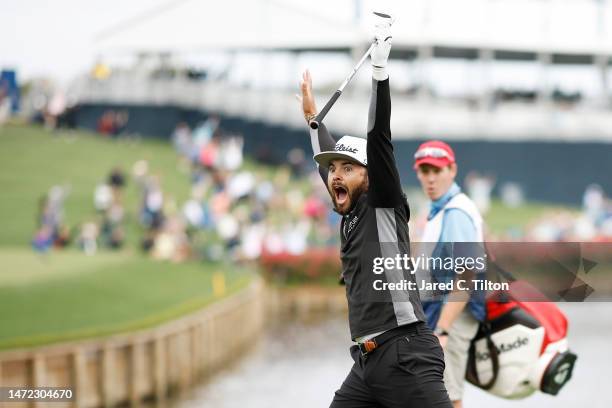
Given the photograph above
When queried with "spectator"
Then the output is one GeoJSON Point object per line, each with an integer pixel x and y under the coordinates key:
{"type": "Point", "coordinates": [203, 133]}
{"type": "Point", "coordinates": [297, 162]}
{"type": "Point", "coordinates": [43, 239]}
{"type": "Point", "coordinates": [5, 105]}
{"type": "Point", "coordinates": [103, 197]}
{"type": "Point", "coordinates": [172, 242]}
{"type": "Point", "coordinates": [116, 180]}
{"type": "Point", "coordinates": [106, 123]}
{"type": "Point", "coordinates": [64, 237]}
{"type": "Point", "coordinates": [181, 139]}
{"type": "Point", "coordinates": [231, 153]}
{"type": "Point", "coordinates": [88, 238]}
{"type": "Point", "coordinates": [593, 202]}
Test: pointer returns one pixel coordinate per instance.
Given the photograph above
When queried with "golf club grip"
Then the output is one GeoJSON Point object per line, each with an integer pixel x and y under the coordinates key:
{"type": "Point", "coordinates": [314, 124]}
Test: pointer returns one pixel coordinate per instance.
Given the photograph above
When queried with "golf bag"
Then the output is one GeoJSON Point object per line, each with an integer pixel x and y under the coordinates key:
{"type": "Point", "coordinates": [521, 347]}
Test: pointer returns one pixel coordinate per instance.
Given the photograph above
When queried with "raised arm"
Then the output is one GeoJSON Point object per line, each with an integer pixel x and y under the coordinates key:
{"type": "Point", "coordinates": [385, 190]}
{"type": "Point", "coordinates": [320, 139]}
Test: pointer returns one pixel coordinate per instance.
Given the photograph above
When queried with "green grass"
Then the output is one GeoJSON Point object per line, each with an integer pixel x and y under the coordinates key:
{"type": "Point", "coordinates": [502, 219]}
{"type": "Point", "coordinates": [67, 295]}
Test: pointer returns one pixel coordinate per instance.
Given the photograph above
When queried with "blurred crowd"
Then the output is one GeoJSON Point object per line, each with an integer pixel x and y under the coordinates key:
{"type": "Point", "coordinates": [593, 223]}
{"type": "Point", "coordinates": [113, 123]}
{"type": "Point", "coordinates": [234, 210]}
{"type": "Point", "coordinates": [107, 230]}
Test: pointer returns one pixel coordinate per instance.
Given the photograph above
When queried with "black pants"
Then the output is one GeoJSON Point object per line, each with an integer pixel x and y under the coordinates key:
{"type": "Point", "coordinates": [406, 371]}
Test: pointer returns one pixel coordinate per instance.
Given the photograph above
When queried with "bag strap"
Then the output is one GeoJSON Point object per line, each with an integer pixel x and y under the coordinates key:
{"type": "Point", "coordinates": [493, 354]}
{"type": "Point", "coordinates": [485, 329]}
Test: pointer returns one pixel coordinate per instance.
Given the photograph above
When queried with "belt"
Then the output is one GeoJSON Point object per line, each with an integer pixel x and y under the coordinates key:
{"type": "Point", "coordinates": [372, 344]}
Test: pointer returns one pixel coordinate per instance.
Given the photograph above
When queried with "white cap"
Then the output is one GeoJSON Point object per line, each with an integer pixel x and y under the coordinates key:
{"type": "Point", "coordinates": [348, 147]}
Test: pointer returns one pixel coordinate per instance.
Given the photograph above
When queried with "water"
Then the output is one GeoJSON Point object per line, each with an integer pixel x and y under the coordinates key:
{"type": "Point", "coordinates": [301, 364]}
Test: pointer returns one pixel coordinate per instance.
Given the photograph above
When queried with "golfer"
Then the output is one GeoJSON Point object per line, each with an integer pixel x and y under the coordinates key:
{"type": "Point", "coordinates": [398, 362]}
{"type": "Point", "coordinates": [454, 228]}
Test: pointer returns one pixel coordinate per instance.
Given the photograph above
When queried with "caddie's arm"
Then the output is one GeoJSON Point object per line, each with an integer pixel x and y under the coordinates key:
{"type": "Point", "coordinates": [385, 190]}
{"type": "Point", "coordinates": [459, 231]}
{"type": "Point", "coordinates": [320, 139]}
{"type": "Point", "coordinates": [456, 302]}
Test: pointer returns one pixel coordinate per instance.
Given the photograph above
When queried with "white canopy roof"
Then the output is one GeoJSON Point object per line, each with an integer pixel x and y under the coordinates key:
{"type": "Point", "coordinates": [554, 26]}
{"type": "Point", "coordinates": [192, 25]}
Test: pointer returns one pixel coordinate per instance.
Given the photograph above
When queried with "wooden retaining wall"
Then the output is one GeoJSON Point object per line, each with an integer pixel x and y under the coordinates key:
{"type": "Point", "coordinates": [305, 301]}
{"type": "Point", "coordinates": [149, 364]}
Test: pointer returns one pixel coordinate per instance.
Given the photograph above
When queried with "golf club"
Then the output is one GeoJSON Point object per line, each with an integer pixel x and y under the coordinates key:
{"type": "Point", "coordinates": [314, 124]}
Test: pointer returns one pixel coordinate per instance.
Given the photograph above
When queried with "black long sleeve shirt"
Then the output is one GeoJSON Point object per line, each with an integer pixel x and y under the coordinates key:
{"type": "Point", "coordinates": [376, 227]}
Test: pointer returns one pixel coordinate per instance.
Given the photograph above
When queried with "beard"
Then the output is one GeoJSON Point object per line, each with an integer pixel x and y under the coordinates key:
{"type": "Point", "coordinates": [353, 196]}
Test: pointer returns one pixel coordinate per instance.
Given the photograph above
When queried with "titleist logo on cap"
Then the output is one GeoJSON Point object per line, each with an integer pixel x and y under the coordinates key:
{"type": "Point", "coordinates": [342, 148]}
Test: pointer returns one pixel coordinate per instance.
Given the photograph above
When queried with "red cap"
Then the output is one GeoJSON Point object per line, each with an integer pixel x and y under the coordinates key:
{"type": "Point", "coordinates": [434, 152]}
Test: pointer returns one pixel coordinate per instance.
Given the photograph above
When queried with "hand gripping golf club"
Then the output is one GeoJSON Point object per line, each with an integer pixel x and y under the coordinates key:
{"type": "Point", "coordinates": [314, 124]}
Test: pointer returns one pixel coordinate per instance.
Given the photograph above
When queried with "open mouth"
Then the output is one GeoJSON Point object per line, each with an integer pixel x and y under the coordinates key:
{"type": "Point", "coordinates": [341, 194]}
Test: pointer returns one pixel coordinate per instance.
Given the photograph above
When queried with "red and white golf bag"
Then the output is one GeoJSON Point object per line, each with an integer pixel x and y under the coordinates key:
{"type": "Point", "coordinates": [522, 347]}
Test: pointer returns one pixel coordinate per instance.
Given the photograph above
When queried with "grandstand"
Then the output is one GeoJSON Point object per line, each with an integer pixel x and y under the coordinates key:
{"type": "Point", "coordinates": [538, 70]}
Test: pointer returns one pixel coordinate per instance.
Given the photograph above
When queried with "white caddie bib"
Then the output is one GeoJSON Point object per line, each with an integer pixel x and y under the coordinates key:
{"type": "Point", "coordinates": [433, 231]}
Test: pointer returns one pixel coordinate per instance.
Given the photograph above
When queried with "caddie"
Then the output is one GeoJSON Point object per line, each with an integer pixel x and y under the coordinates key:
{"type": "Point", "coordinates": [453, 229]}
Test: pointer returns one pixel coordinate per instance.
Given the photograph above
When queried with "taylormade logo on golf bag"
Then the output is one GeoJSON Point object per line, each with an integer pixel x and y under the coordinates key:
{"type": "Point", "coordinates": [518, 343]}
{"type": "Point", "coordinates": [343, 148]}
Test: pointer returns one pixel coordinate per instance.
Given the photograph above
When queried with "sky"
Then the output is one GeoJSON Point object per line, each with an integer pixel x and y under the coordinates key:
{"type": "Point", "coordinates": [56, 38]}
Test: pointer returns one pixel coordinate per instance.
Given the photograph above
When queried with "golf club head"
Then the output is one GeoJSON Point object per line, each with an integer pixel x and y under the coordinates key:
{"type": "Point", "coordinates": [387, 18]}
{"type": "Point", "coordinates": [382, 19]}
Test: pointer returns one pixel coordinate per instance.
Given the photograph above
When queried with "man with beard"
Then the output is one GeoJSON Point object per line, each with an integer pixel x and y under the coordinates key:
{"type": "Point", "coordinates": [398, 360]}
